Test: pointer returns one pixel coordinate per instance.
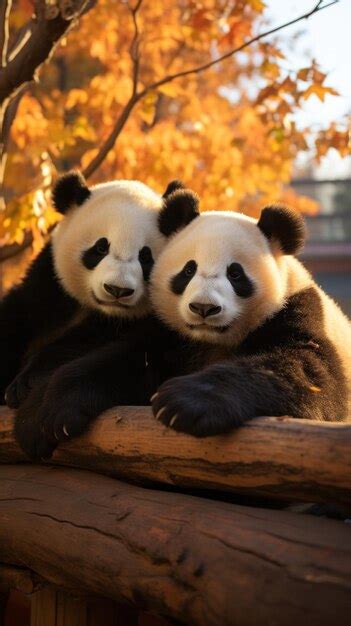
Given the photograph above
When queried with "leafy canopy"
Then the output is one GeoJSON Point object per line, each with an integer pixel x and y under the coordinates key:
{"type": "Point", "coordinates": [228, 132]}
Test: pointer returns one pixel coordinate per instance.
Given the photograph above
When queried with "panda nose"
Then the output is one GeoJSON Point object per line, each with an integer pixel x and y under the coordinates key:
{"type": "Point", "coordinates": [203, 309]}
{"type": "Point", "coordinates": [118, 292]}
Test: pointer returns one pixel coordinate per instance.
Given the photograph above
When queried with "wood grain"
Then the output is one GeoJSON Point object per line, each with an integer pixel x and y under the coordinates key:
{"type": "Point", "coordinates": [275, 457]}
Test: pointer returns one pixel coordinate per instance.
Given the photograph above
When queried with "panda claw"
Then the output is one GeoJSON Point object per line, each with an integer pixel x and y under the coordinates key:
{"type": "Point", "coordinates": [160, 412]}
{"type": "Point", "coordinates": [173, 419]}
{"type": "Point", "coordinates": [65, 431]}
{"type": "Point", "coordinates": [154, 396]}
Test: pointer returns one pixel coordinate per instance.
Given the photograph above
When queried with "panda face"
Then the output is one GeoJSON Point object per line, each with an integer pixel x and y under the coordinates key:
{"type": "Point", "coordinates": [217, 279]}
{"type": "Point", "coordinates": [104, 249]}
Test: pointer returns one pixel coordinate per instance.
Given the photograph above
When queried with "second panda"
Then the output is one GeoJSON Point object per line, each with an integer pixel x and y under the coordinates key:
{"type": "Point", "coordinates": [259, 336]}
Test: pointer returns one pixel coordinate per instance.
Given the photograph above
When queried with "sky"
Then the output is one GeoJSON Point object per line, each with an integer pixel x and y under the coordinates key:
{"type": "Point", "coordinates": [326, 36]}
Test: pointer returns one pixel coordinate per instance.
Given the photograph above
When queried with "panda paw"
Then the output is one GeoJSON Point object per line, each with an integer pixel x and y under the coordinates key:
{"type": "Point", "coordinates": [52, 413]}
{"type": "Point", "coordinates": [64, 413]}
{"type": "Point", "coordinates": [28, 431]}
{"type": "Point", "coordinates": [62, 421]}
{"type": "Point", "coordinates": [192, 404]}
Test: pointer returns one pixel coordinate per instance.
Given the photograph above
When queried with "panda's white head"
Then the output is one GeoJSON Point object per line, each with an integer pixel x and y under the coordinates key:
{"type": "Point", "coordinates": [224, 274]}
{"type": "Point", "coordinates": [105, 246]}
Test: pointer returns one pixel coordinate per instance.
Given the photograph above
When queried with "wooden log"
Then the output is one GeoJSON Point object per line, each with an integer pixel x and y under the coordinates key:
{"type": "Point", "coordinates": [198, 561]}
{"type": "Point", "coordinates": [274, 457]}
{"type": "Point", "coordinates": [18, 578]}
{"type": "Point", "coordinates": [56, 607]}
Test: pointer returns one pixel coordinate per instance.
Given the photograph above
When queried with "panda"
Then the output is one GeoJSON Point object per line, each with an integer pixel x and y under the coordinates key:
{"type": "Point", "coordinates": [87, 287]}
{"type": "Point", "coordinates": [259, 337]}
{"type": "Point", "coordinates": [79, 270]}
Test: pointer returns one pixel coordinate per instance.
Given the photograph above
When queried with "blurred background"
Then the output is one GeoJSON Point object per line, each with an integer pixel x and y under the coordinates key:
{"type": "Point", "coordinates": [189, 89]}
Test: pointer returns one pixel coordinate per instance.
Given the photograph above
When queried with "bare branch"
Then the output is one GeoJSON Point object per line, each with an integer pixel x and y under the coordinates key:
{"type": "Point", "coordinates": [137, 96]}
{"type": "Point", "coordinates": [135, 45]}
{"type": "Point", "coordinates": [9, 116]}
{"type": "Point", "coordinates": [112, 138]}
{"type": "Point", "coordinates": [5, 10]}
{"type": "Point", "coordinates": [201, 68]}
{"type": "Point", "coordinates": [124, 116]}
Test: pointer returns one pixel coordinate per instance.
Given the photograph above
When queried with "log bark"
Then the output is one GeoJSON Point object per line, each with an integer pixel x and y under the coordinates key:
{"type": "Point", "coordinates": [271, 457]}
{"type": "Point", "coordinates": [198, 561]}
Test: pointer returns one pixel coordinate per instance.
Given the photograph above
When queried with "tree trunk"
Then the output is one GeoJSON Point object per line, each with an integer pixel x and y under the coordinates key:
{"type": "Point", "coordinates": [274, 457]}
{"type": "Point", "coordinates": [198, 561]}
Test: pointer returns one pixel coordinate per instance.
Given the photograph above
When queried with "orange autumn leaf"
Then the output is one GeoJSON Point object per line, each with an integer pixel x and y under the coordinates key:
{"type": "Point", "coordinates": [320, 91]}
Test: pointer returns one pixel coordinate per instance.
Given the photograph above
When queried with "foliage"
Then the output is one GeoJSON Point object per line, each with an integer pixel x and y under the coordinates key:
{"type": "Point", "coordinates": [228, 132]}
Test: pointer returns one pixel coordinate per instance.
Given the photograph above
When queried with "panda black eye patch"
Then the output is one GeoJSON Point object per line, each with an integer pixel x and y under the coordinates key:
{"type": "Point", "coordinates": [240, 282]}
{"type": "Point", "coordinates": [92, 257]}
{"type": "Point", "coordinates": [146, 261]}
{"type": "Point", "coordinates": [180, 281]}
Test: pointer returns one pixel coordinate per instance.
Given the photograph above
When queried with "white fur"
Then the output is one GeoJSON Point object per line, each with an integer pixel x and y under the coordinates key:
{"type": "Point", "coordinates": [215, 240]}
{"type": "Point", "coordinates": [126, 213]}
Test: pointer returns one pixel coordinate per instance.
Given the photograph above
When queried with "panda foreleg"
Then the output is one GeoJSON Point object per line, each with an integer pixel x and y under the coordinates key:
{"type": "Point", "coordinates": [75, 342]}
{"type": "Point", "coordinates": [27, 424]}
{"type": "Point", "coordinates": [79, 391]}
{"type": "Point", "coordinates": [30, 310]}
{"type": "Point", "coordinates": [223, 396]}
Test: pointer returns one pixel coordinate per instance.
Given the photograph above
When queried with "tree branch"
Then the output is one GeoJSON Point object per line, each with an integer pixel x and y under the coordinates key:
{"type": "Point", "coordinates": [135, 45]}
{"type": "Point", "coordinates": [34, 46]}
{"type": "Point", "coordinates": [5, 10]}
{"type": "Point", "coordinates": [201, 68]}
{"type": "Point", "coordinates": [44, 33]}
{"type": "Point", "coordinates": [113, 136]}
{"type": "Point", "coordinates": [137, 96]}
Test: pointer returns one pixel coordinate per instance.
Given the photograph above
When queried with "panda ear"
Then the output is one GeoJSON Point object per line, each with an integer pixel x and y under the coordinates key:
{"type": "Point", "coordinates": [70, 189]}
{"type": "Point", "coordinates": [284, 227]}
{"type": "Point", "coordinates": [172, 186]}
{"type": "Point", "coordinates": [180, 207]}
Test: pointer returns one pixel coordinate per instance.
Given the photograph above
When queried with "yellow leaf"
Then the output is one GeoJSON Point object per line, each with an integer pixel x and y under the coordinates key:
{"type": "Point", "coordinates": [170, 89]}
{"type": "Point", "coordinates": [147, 111]}
{"type": "Point", "coordinates": [271, 70]}
{"type": "Point", "coordinates": [257, 5]}
{"type": "Point", "coordinates": [320, 91]}
{"type": "Point", "coordinates": [304, 73]}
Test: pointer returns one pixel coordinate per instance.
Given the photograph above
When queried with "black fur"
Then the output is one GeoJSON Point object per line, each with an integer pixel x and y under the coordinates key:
{"type": "Point", "coordinates": [92, 257]}
{"type": "Point", "coordinates": [146, 261]}
{"type": "Point", "coordinates": [95, 330]}
{"type": "Point", "coordinates": [240, 282]}
{"type": "Point", "coordinates": [84, 373]}
{"type": "Point", "coordinates": [285, 226]}
{"type": "Point", "coordinates": [31, 310]}
{"type": "Point", "coordinates": [75, 395]}
{"type": "Point", "coordinates": [179, 208]}
{"type": "Point", "coordinates": [180, 281]}
{"type": "Point", "coordinates": [172, 186]}
{"type": "Point", "coordinates": [286, 367]}
{"type": "Point", "coordinates": [70, 189]}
